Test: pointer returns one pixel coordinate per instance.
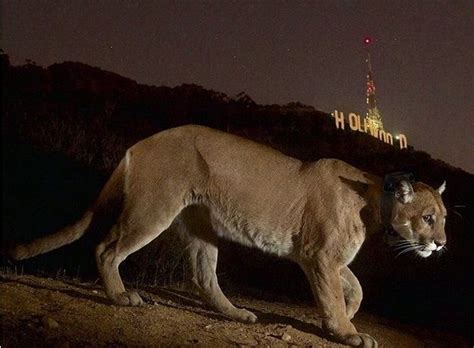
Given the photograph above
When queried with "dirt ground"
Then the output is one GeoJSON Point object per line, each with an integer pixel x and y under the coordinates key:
{"type": "Point", "coordinates": [45, 312]}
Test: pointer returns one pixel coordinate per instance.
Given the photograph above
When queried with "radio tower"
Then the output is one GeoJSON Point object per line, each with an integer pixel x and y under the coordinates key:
{"type": "Point", "coordinates": [373, 118]}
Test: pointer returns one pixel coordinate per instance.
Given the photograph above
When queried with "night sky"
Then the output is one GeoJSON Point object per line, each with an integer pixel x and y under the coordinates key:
{"type": "Point", "coordinates": [277, 52]}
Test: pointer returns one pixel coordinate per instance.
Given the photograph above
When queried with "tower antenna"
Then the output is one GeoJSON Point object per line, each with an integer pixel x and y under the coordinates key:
{"type": "Point", "coordinates": [373, 117]}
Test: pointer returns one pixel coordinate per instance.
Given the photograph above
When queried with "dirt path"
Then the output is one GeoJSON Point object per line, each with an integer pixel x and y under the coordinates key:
{"type": "Point", "coordinates": [38, 311]}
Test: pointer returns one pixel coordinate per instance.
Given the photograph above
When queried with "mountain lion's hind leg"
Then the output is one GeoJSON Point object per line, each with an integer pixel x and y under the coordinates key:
{"type": "Point", "coordinates": [352, 292]}
{"type": "Point", "coordinates": [107, 265]}
{"type": "Point", "coordinates": [132, 232]}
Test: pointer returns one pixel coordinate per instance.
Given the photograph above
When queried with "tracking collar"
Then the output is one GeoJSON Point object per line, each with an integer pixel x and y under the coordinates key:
{"type": "Point", "coordinates": [392, 180]}
{"type": "Point", "coordinates": [390, 184]}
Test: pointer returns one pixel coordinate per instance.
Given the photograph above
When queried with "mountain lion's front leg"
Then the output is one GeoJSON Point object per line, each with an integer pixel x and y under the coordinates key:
{"type": "Point", "coordinates": [202, 247]}
{"type": "Point", "coordinates": [326, 284]}
{"type": "Point", "coordinates": [352, 291]}
{"type": "Point", "coordinates": [203, 257]}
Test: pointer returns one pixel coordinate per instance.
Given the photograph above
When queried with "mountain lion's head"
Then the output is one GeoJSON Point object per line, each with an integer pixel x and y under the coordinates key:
{"type": "Point", "coordinates": [418, 217]}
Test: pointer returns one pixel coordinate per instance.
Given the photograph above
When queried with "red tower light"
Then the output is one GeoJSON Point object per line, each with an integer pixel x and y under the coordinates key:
{"type": "Point", "coordinates": [367, 40]}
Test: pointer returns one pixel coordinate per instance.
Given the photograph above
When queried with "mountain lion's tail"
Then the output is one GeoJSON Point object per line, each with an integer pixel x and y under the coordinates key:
{"type": "Point", "coordinates": [110, 196]}
{"type": "Point", "coordinates": [42, 245]}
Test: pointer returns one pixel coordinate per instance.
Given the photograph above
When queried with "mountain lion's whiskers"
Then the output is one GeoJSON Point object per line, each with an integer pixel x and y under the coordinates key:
{"type": "Point", "coordinates": [413, 248]}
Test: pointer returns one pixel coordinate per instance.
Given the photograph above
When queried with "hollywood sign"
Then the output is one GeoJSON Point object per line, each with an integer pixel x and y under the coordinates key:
{"type": "Point", "coordinates": [361, 125]}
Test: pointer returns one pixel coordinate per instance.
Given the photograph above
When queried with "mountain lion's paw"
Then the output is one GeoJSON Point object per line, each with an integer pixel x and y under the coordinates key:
{"type": "Point", "coordinates": [243, 315]}
{"type": "Point", "coordinates": [361, 340]}
{"type": "Point", "coordinates": [128, 298]}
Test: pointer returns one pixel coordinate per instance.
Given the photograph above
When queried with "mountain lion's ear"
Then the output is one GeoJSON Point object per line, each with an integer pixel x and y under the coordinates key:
{"type": "Point", "coordinates": [442, 187]}
{"type": "Point", "coordinates": [404, 192]}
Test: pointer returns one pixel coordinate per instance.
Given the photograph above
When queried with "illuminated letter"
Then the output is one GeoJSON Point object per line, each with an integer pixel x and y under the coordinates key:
{"type": "Point", "coordinates": [359, 128]}
{"type": "Point", "coordinates": [382, 135]}
{"type": "Point", "coordinates": [366, 126]}
{"type": "Point", "coordinates": [388, 138]}
{"type": "Point", "coordinates": [403, 141]}
{"type": "Point", "coordinates": [339, 118]}
{"type": "Point", "coordinates": [353, 121]}
{"type": "Point", "coordinates": [374, 131]}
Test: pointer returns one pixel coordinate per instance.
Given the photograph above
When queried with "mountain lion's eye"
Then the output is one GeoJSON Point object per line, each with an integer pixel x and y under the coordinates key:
{"type": "Point", "coordinates": [428, 219]}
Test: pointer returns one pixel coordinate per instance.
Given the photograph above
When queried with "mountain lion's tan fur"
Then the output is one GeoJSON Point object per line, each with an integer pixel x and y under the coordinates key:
{"type": "Point", "coordinates": [316, 214]}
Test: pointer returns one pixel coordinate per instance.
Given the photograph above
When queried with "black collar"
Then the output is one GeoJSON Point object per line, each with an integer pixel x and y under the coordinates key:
{"type": "Point", "coordinates": [392, 180]}
{"type": "Point", "coordinates": [390, 185]}
{"type": "Point", "coordinates": [389, 230]}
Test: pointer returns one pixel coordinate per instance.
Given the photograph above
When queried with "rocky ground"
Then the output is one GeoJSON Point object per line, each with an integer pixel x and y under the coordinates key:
{"type": "Point", "coordinates": [45, 312]}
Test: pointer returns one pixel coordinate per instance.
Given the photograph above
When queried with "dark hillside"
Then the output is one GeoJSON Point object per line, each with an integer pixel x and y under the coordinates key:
{"type": "Point", "coordinates": [65, 127]}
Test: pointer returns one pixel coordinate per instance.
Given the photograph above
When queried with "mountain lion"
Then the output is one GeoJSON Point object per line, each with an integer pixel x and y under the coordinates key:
{"type": "Point", "coordinates": [316, 214]}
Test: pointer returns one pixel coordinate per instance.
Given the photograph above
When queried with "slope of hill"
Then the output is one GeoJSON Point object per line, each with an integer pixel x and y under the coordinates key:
{"type": "Point", "coordinates": [65, 127]}
{"type": "Point", "coordinates": [32, 316]}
